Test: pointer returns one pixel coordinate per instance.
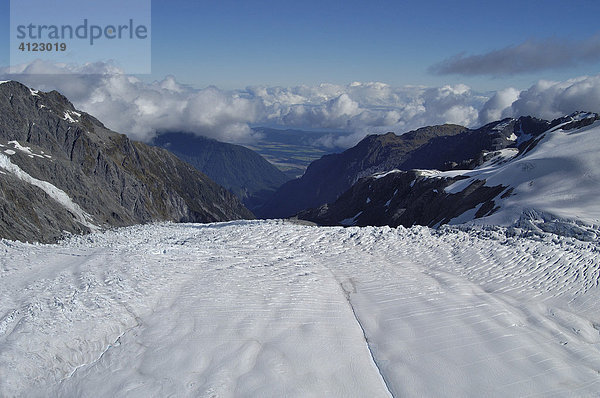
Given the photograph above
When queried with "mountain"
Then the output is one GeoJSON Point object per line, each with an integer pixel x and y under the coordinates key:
{"type": "Point", "coordinates": [62, 171]}
{"type": "Point", "coordinates": [401, 198]}
{"type": "Point", "coordinates": [325, 179]}
{"type": "Point", "coordinates": [237, 168]}
{"type": "Point", "coordinates": [442, 147]}
{"type": "Point", "coordinates": [548, 181]}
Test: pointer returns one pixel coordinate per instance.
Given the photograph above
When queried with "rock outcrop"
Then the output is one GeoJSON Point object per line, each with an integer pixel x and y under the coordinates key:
{"type": "Point", "coordinates": [65, 172]}
{"type": "Point", "coordinates": [327, 178]}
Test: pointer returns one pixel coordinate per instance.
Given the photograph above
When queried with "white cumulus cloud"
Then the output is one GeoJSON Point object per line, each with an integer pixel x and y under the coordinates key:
{"type": "Point", "coordinates": [495, 107]}
{"type": "Point", "coordinates": [143, 109]}
{"type": "Point", "coordinates": [549, 100]}
{"type": "Point", "coordinates": [545, 99]}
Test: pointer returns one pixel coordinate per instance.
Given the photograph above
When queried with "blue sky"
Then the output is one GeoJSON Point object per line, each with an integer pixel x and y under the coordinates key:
{"type": "Point", "coordinates": [232, 44]}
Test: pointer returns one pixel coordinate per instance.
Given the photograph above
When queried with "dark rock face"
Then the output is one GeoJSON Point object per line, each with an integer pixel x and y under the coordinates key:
{"type": "Point", "coordinates": [30, 214]}
{"type": "Point", "coordinates": [444, 147]}
{"type": "Point", "coordinates": [467, 150]}
{"type": "Point", "coordinates": [404, 198]}
{"type": "Point", "coordinates": [244, 172]}
{"type": "Point", "coordinates": [419, 196]}
{"type": "Point", "coordinates": [113, 180]}
{"type": "Point", "coordinates": [326, 178]}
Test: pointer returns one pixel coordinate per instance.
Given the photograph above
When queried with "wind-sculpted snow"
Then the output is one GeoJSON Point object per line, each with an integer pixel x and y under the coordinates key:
{"type": "Point", "coordinates": [274, 309]}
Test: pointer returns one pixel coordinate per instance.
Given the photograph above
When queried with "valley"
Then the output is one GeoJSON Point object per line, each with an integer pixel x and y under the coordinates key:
{"type": "Point", "coordinates": [292, 151]}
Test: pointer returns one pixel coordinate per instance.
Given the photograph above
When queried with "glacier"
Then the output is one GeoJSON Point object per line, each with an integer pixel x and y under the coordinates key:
{"type": "Point", "coordinates": [274, 309]}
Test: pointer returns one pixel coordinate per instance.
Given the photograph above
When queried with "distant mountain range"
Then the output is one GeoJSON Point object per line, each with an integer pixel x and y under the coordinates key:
{"type": "Point", "coordinates": [239, 169]}
{"type": "Point", "coordinates": [522, 172]}
{"type": "Point", "coordinates": [328, 177]}
{"type": "Point", "coordinates": [62, 171]}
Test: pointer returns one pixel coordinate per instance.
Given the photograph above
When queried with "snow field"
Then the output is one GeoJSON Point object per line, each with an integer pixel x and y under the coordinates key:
{"type": "Point", "coordinates": [267, 308]}
{"type": "Point", "coordinates": [559, 177]}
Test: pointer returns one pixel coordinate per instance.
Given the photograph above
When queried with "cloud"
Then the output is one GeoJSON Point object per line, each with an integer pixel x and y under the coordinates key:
{"type": "Point", "coordinates": [529, 56]}
{"type": "Point", "coordinates": [142, 109]}
{"type": "Point", "coordinates": [495, 108]}
{"type": "Point", "coordinates": [371, 107]}
{"type": "Point", "coordinates": [549, 100]}
{"type": "Point", "coordinates": [545, 99]}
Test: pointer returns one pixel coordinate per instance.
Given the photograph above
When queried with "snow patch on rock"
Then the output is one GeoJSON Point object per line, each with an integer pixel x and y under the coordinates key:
{"type": "Point", "coordinates": [347, 222]}
{"type": "Point", "coordinates": [55, 193]}
{"type": "Point", "coordinates": [24, 149]}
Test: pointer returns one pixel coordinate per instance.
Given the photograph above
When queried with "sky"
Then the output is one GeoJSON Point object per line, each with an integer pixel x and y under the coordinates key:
{"type": "Point", "coordinates": [220, 67]}
{"type": "Point", "coordinates": [234, 44]}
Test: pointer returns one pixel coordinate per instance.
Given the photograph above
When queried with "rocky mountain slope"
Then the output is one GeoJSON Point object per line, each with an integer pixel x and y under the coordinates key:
{"type": "Point", "coordinates": [443, 147]}
{"type": "Point", "coordinates": [403, 198]}
{"type": "Point", "coordinates": [62, 170]}
{"type": "Point", "coordinates": [326, 178]}
{"type": "Point", "coordinates": [548, 181]}
{"type": "Point", "coordinates": [239, 169]}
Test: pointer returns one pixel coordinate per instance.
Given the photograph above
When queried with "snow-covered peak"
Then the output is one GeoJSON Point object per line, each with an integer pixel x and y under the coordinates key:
{"type": "Point", "coordinates": [502, 124]}
{"type": "Point", "coordinates": [559, 178]}
{"type": "Point", "coordinates": [576, 116]}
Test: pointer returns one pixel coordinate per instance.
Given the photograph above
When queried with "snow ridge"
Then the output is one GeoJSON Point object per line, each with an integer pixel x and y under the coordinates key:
{"type": "Point", "coordinates": [559, 179]}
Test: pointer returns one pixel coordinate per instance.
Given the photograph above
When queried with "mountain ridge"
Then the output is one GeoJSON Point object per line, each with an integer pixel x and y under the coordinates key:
{"type": "Point", "coordinates": [237, 168]}
{"type": "Point", "coordinates": [114, 180]}
{"type": "Point", "coordinates": [444, 147]}
{"type": "Point", "coordinates": [544, 182]}
{"type": "Point", "coordinates": [326, 178]}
